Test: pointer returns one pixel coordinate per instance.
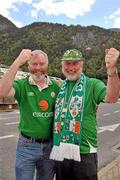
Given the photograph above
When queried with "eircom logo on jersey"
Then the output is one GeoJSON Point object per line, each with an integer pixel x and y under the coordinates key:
{"type": "Point", "coordinates": [43, 105]}
{"type": "Point", "coordinates": [43, 114]}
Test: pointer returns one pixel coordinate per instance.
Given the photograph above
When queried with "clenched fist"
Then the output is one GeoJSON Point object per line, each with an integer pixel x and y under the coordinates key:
{"type": "Point", "coordinates": [111, 57]}
{"type": "Point", "coordinates": [24, 56]}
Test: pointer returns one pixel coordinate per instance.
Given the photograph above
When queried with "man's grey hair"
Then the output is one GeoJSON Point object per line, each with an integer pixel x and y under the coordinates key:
{"type": "Point", "coordinates": [37, 52]}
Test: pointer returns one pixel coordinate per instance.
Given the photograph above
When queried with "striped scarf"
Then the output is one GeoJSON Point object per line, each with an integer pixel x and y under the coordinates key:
{"type": "Point", "coordinates": [68, 121]}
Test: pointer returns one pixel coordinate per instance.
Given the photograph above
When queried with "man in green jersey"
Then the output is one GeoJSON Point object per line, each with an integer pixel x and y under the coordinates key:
{"type": "Point", "coordinates": [75, 126]}
{"type": "Point", "coordinates": [36, 96]}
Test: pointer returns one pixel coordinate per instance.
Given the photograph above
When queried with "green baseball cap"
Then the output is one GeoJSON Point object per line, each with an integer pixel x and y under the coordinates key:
{"type": "Point", "coordinates": [72, 55]}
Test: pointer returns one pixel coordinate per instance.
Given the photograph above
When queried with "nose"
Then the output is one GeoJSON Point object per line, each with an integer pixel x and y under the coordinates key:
{"type": "Point", "coordinates": [38, 66]}
{"type": "Point", "coordinates": [70, 67]}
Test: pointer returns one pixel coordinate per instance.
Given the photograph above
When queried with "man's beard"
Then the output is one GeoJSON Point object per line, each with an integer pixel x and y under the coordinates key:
{"type": "Point", "coordinates": [72, 77]}
{"type": "Point", "coordinates": [38, 76]}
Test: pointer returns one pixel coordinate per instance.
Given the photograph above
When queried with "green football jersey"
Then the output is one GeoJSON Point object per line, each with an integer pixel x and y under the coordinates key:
{"type": "Point", "coordinates": [94, 94]}
{"type": "Point", "coordinates": [36, 107]}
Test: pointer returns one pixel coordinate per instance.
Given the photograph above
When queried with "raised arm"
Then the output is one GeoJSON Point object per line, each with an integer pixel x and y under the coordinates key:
{"type": "Point", "coordinates": [113, 82]}
{"type": "Point", "coordinates": [7, 81]}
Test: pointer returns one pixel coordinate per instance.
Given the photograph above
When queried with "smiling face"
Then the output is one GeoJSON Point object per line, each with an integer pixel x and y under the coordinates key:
{"type": "Point", "coordinates": [72, 69]}
{"type": "Point", "coordinates": [38, 66]}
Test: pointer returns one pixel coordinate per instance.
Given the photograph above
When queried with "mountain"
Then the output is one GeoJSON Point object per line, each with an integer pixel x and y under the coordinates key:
{"type": "Point", "coordinates": [6, 25]}
{"type": "Point", "coordinates": [115, 29]}
{"type": "Point", "coordinates": [54, 39]}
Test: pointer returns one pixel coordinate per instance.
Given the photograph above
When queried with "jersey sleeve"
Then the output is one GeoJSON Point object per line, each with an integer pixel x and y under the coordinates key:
{"type": "Point", "coordinates": [99, 91]}
{"type": "Point", "coordinates": [17, 88]}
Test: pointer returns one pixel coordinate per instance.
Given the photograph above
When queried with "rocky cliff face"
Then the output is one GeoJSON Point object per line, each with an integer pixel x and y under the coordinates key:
{"type": "Point", "coordinates": [6, 25]}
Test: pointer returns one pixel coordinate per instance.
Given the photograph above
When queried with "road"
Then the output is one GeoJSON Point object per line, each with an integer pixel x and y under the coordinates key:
{"type": "Point", "coordinates": [108, 132]}
{"type": "Point", "coordinates": [108, 138]}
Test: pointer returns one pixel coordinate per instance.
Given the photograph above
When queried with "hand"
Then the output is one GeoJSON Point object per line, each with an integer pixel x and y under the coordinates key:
{"type": "Point", "coordinates": [111, 57]}
{"type": "Point", "coordinates": [24, 56]}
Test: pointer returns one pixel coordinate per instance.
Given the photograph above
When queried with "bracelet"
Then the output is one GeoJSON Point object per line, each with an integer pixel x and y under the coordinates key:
{"type": "Point", "coordinates": [113, 74]}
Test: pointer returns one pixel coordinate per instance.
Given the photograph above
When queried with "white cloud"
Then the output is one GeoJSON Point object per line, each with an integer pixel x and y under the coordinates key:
{"type": "Point", "coordinates": [114, 18]}
{"type": "Point", "coordinates": [69, 8]}
{"type": "Point", "coordinates": [117, 22]}
{"type": "Point", "coordinates": [117, 12]}
{"type": "Point", "coordinates": [7, 5]}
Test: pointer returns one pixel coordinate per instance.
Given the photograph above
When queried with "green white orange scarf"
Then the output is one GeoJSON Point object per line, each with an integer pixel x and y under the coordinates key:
{"type": "Point", "coordinates": [68, 122]}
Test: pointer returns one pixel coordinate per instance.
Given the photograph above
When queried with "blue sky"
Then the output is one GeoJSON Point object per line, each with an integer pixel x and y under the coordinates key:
{"type": "Point", "coordinates": [102, 13]}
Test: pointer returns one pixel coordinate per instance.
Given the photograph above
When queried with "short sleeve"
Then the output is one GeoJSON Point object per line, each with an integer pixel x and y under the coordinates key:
{"type": "Point", "coordinates": [17, 87]}
{"type": "Point", "coordinates": [99, 91]}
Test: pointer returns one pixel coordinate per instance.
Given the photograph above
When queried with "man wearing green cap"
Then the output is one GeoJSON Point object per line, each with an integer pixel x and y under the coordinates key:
{"type": "Point", "coordinates": [75, 126]}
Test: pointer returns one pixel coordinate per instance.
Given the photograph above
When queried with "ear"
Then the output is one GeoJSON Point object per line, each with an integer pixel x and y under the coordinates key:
{"type": "Point", "coordinates": [106, 51]}
{"type": "Point", "coordinates": [82, 63]}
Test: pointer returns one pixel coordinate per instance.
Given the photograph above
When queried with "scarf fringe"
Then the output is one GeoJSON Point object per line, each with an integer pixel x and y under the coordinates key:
{"type": "Point", "coordinates": [65, 151]}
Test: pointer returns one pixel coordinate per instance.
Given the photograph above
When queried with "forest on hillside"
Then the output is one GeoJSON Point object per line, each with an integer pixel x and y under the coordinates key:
{"type": "Point", "coordinates": [54, 39]}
